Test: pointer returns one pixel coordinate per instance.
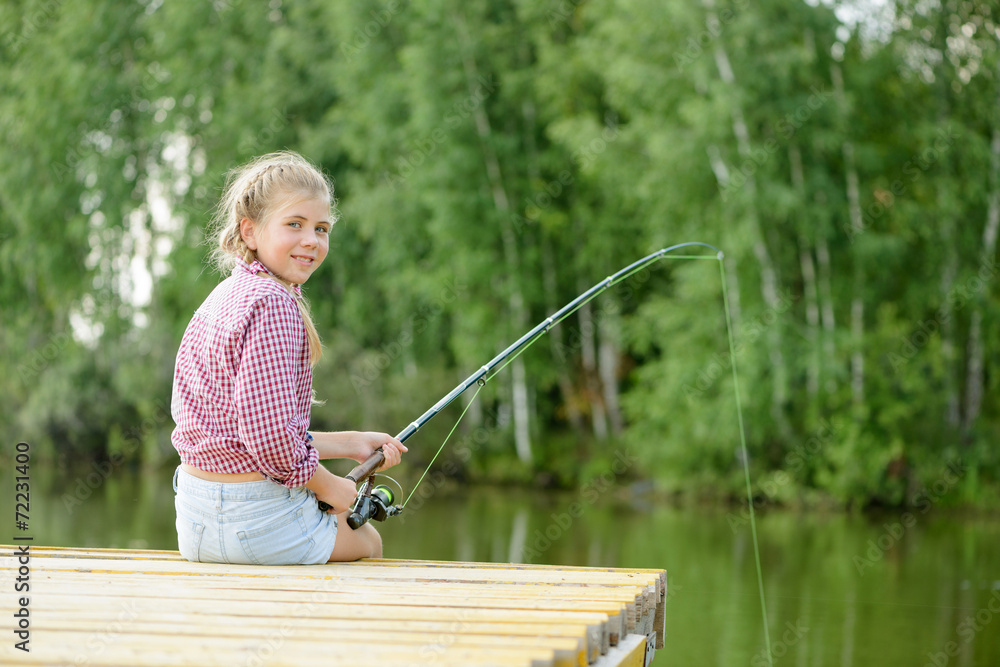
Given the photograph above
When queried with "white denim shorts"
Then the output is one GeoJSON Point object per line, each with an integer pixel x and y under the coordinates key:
{"type": "Point", "coordinates": [259, 523]}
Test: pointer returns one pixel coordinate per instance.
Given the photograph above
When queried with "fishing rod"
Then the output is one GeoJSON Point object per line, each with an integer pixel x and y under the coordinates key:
{"type": "Point", "coordinates": [377, 502]}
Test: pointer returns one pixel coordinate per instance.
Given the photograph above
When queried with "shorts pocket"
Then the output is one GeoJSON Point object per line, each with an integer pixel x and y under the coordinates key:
{"type": "Point", "coordinates": [189, 534]}
{"type": "Point", "coordinates": [284, 541]}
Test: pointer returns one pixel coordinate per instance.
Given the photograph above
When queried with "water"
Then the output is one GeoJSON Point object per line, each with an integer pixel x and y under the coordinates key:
{"type": "Point", "coordinates": [913, 589]}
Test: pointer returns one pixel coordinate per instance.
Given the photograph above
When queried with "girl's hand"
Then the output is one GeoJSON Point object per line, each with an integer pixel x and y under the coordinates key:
{"type": "Point", "coordinates": [393, 451]}
{"type": "Point", "coordinates": [392, 448]}
{"type": "Point", "coordinates": [339, 493]}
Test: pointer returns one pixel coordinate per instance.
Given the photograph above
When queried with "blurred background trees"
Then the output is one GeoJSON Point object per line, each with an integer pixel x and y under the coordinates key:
{"type": "Point", "coordinates": [494, 159]}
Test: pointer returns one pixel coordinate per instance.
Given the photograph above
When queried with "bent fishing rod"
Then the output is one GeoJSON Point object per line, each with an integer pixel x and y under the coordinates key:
{"type": "Point", "coordinates": [379, 506]}
{"type": "Point", "coordinates": [377, 503]}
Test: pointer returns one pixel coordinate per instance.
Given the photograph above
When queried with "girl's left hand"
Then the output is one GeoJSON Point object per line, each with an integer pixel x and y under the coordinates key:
{"type": "Point", "coordinates": [391, 447]}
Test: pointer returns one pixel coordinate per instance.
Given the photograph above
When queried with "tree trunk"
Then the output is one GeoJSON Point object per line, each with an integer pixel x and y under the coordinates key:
{"type": "Point", "coordinates": [974, 371]}
{"type": "Point", "coordinates": [857, 305]}
{"type": "Point", "coordinates": [733, 281]}
{"type": "Point", "coordinates": [555, 334]}
{"type": "Point", "coordinates": [768, 272]}
{"type": "Point", "coordinates": [952, 410]}
{"type": "Point", "coordinates": [522, 412]}
{"type": "Point", "coordinates": [808, 282]}
{"type": "Point", "coordinates": [518, 537]}
{"type": "Point", "coordinates": [826, 310]}
{"type": "Point", "coordinates": [721, 172]}
{"type": "Point", "coordinates": [607, 361]}
{"type": "Point", "coordinates": [858, 353]}
{"type": "Point", "coordinates": [813, 370]}
{"type": "Point", "coordinates": [599, 418]}
{"type": "Point", "coordinates": [857, 224]}
{"type": "Point", "coordinates": [519, 394]}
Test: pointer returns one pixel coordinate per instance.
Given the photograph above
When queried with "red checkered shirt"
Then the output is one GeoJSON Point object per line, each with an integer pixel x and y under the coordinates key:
{"type": "Point", "coordinates": [243, 383]}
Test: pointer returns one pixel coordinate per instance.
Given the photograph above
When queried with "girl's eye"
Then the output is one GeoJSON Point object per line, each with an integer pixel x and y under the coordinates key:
{"type": "Point", "coordinates": [322, 229]}
{"type": "Point", "coordinates": [295, 224]}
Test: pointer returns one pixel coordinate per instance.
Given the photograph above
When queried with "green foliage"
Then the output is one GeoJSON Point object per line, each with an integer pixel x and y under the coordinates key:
{"type": "Point", "coordinates": [492, 160]}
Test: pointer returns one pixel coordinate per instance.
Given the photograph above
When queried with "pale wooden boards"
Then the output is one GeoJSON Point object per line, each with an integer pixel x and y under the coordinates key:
{"type": "Point", "coordinates": [127, 607]}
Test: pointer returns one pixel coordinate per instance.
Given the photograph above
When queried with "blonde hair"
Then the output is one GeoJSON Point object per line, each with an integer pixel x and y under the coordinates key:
{"type": "Point", "coordinates": [254, 191]}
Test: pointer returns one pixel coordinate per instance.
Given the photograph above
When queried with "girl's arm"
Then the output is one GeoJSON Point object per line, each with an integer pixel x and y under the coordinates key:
{"type": "Point", "coordinates": [337, 492]}
{"type": "Point", "coordinates": [357, 445]}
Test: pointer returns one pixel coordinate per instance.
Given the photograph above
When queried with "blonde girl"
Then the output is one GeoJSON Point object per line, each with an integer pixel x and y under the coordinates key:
{"type": "Point", "coordinates": [249, 480]}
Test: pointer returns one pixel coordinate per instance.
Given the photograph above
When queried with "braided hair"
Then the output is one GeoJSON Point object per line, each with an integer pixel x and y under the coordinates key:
{"type": "Point", "coordinates": [254, 191]}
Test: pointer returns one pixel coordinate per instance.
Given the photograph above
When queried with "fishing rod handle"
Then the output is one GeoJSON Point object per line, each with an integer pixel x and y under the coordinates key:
{"type": "Point", "coordinates": [359, 473]}
{"type": "Point", "coordinates": [367, 467]}
{"type": "Point", "coordinates": [377, 457]}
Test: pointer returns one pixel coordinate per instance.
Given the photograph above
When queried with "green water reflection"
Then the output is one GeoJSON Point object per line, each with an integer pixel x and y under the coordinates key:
{"type": "Point", "coordinates": [914, 590]}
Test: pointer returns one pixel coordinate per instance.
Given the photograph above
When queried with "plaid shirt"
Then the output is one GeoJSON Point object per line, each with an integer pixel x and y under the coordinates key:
{"type": "Point", "coordinates": [243, 383]}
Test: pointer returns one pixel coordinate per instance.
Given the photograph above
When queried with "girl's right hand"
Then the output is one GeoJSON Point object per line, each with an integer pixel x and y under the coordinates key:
{"type": "Point", "coordinates": [339, 493]}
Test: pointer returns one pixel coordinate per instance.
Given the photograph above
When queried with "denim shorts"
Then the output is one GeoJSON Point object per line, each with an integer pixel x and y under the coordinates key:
{"type": "Point", "coordinates": [258, 523]}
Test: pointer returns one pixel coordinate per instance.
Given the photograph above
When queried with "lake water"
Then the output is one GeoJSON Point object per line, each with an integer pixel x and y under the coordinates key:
{"type": "Point", "coordinates": [908, 589]}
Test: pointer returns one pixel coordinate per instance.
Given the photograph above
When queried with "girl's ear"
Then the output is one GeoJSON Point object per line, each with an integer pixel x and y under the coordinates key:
{"type": "Point", "coordinates": [246, 231]}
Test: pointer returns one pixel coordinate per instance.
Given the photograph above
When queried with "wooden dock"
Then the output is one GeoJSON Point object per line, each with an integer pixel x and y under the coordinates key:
{"type": "Point", "coordinates": [143, 608]}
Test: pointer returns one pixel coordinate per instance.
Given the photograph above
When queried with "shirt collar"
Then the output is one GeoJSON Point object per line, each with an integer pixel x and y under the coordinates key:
{"type": "Point", "coordinates": [255, 267]}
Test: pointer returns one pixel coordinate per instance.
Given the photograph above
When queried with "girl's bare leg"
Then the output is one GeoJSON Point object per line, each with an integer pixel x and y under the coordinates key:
{"type": "Point", "coordinates": [365, 542]}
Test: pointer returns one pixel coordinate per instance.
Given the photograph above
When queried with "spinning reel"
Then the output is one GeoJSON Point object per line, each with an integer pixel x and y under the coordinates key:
{"type": "Point", "coordinates": [373, 502]}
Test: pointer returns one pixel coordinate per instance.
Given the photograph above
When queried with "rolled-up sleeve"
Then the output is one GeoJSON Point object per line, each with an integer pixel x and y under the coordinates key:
{"type": "Point", "coordinates": [271, 395]}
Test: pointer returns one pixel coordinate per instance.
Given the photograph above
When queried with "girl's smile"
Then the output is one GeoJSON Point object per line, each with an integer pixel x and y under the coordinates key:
{"type": "Point", "coordinates": [294, 241]}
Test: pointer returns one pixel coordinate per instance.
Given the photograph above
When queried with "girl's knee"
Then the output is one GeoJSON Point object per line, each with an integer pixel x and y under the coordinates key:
{"type": "Point", "coordinates": [365, 542]}
{"type": "Point", "coordinates": [372, 540]}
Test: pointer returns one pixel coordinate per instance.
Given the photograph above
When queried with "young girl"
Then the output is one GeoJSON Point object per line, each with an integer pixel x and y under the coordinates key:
{"type": "Point", "coordinates": [249, 481]}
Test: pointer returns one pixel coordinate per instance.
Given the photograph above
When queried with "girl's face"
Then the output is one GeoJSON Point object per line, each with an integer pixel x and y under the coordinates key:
{"type": "Point", "coordinates": [293, 241]}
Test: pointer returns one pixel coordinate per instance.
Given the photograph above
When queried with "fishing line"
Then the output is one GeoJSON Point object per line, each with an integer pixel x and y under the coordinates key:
{"type": "Point", "coordinates": [491, 369]}
{"type": "Point", "coordinates": [617, 281]}
{"type": "Point", "coordinates": [746, 460]}
{"type": "Point", "coordinates": [443, 443]}
{"type": "Point", "coordinates": [398, 485]}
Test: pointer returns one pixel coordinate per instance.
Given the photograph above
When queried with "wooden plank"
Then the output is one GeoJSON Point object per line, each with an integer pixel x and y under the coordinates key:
{"type": "Point", "coordinates": [150, 554]}
{"type": "Point", "coordinates": [636, 618]}
{"type": "Point", "coordinates": [424, 595]}
{"type": "Point", "coordinates": [167, 627]}
{"type": "Point", "coordinates": [380, 604]}
{"type": "Point", "coordinates": [631, 652]}
{"type": "Point", "coordinates": [499, 619]}
{"type": "Point", "coordinates": [578, 643]}
{"type": "Point", "coordinates": [434, 631]}
{"type": "Point", "coordinates": [589, 626]}
{"type": "Point", "coordinates": [56, 552]}
{"type": "Point", "coordinates": [69, 647]}
{"type": "Point", "coordinates": [120, 603]}
{"type": "Point", "coordinates": [144, 599]}
{"type": "Point", "coordinates": [623, 595]}
{"type": "Point", "coordinates": [369, 568]}
{"type": "Point", "coordinates": [659, 614]}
